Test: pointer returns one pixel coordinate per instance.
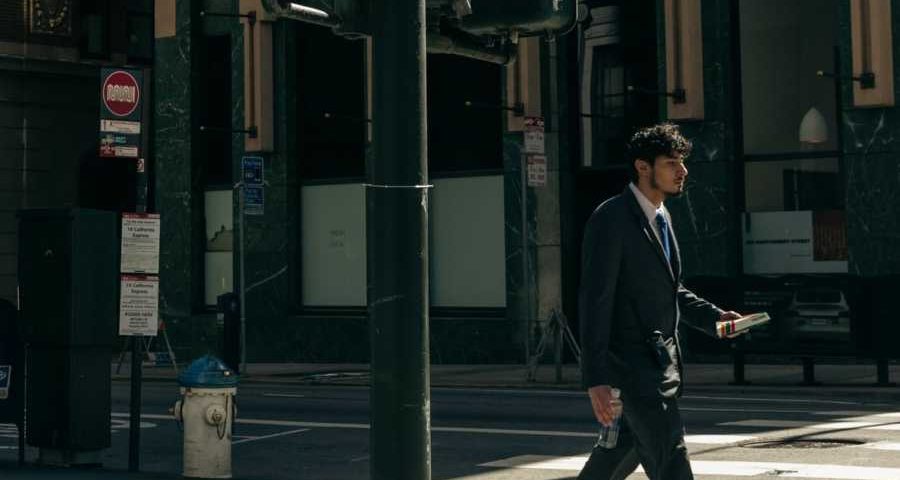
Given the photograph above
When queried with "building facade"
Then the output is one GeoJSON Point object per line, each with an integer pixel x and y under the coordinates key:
{"type": "Point", "coordinates": [51, 56]}
{"type": "Point", "coordinates": [789, 205]}
{"type": "Point", "coordinates": [782, 157]}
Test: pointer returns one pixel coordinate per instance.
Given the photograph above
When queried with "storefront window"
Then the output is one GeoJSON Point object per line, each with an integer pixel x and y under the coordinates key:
{"type": "Point", "coordinates": [617, 51]}
{"type": "Point", "coordinates": [783, 45]}
{"type": "Point", "coordinates": [794, 220]}
{"type": "Point", "coordinates": [785, 185]}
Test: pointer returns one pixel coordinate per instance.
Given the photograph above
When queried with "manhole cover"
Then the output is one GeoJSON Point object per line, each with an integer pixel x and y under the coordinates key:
{"type": "Point", "coordinates": [804, 443]}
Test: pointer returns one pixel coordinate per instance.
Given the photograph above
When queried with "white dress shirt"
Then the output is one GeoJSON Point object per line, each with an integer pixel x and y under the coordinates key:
{"type": "Point", "coordinates": [650, 210]}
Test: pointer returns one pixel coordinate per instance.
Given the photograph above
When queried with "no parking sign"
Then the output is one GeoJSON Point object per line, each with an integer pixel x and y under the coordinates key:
{"type": "Point", "coordinates": [120, 112]}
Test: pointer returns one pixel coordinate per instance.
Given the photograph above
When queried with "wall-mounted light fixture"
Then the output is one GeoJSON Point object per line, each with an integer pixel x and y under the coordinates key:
{"type": "Point", "coordinates": [873, 66]}
{"type": "Point", "coordinates": [684, 59]}
{"type": "Point", "coordinates": [813, 128]}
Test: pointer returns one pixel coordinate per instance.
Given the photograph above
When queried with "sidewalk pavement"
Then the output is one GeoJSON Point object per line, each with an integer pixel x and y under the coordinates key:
{"type": "Point", "coordinates": [11, 471]}
{"type": "Point", "coordinates": [844, 379]}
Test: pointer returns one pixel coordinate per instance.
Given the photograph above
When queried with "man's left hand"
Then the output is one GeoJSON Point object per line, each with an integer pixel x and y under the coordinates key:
{"type": "Point", "coordinates": [732, 315]}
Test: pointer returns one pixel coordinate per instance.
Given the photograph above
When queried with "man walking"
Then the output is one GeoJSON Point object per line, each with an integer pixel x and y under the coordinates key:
{"type": "Point", "coordinates": [630, 304]}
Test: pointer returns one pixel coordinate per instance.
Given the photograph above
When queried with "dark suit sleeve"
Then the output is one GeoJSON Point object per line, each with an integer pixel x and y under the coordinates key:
{"type": "Point", "coordinates": [697, 312]}
{"type": "Point", "coordinates": [601, 260]}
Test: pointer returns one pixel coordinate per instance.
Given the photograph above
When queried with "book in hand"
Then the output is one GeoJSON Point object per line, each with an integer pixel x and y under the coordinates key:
{"type": "Point", "coordinates": [728, 328]}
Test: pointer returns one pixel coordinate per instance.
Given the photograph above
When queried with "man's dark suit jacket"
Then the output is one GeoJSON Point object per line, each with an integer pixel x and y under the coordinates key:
{"type": "Point", "coordinates": [628, 290]}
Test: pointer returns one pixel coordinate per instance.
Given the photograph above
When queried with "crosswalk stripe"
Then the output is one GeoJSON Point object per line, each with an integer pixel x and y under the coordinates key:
{"type": "Point", "coordinates": [883, 446]}
{"type": "Point", "coordinates": [697, 439]}
{"type": "Point", "coordinates": [763, 423]}
{"type": "Point", "coordinates": [890, 426]}
{"type": "Point", "coordinates": [724, 468]}
{"type": "Point", "coordinates": [838, 425]}
{"type": "Point", "coordinates": [717, 439]}
{"type": "Point", "coordinates": [855, 413]}
{"type": "Point", "coordinates": [843, 413]}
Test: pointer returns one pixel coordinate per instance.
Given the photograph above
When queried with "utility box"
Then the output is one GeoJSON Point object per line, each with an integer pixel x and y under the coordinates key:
{"type": "Point", "coordinates": [229, 311]}
{"type": "Point", "coordinates": [68, 290]}
{"type": "Point", "coordinates": [12, 373]}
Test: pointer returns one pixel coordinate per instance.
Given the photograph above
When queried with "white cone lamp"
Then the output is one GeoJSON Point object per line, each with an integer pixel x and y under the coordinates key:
{"type": "Point", "coordinates": [813, 128]}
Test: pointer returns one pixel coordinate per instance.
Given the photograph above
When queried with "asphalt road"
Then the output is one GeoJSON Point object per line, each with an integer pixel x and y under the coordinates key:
{"type": "Point", "coordinates": [321, 432]}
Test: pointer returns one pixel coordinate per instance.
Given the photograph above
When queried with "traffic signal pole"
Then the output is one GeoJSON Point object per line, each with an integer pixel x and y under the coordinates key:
{"type": "Point", "coordinates": [397, 246]}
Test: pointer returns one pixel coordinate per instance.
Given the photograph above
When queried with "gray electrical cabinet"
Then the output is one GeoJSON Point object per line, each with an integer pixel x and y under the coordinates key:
{"type": "Point", "coordinates": [68, 271]}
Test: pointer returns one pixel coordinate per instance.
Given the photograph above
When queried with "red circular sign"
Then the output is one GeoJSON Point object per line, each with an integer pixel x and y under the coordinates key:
{"type": "Point", "coordinates": [121, 93]}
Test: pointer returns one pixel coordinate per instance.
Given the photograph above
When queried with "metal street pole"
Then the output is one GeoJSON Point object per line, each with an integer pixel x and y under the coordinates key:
{"type": "Point", "coordinates": [397, 246]}
{"type": "Point", "coordinates": [134, 412]}
{"type": "Point", "coordinates": [141, 181]}
{"type": "Point", "coordinates": [242, 364]}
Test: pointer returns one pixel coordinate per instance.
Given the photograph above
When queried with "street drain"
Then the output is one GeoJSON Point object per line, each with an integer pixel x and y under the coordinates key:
{"type": "Point", "coordinates": [804, 443]}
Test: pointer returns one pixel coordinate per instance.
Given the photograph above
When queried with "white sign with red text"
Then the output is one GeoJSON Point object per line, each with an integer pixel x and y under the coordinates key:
{"type": "Point", "coordinates": [534, 135]}
{"type": "Point", "coordinates": [139, 305]}
{"type": "Point", "coordinates": [140, 243]}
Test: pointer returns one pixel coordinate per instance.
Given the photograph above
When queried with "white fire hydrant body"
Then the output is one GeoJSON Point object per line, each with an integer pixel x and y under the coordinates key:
{"type": "Point", "coordinates": [207, 412]}
{"type": "Point", "coordinates": [208, 418]}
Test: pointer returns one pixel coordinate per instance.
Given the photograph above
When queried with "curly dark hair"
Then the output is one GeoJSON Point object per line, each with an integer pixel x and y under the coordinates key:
{"type": "Point", "coordinates": [651, 142]}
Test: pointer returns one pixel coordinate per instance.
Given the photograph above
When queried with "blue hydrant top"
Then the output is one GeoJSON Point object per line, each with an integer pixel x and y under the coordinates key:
{"type": "Point", "coordinates": [208, 372]}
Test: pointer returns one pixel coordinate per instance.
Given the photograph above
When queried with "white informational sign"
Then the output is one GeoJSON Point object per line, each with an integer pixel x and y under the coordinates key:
{"type": "Point", "coordinates": [795, 242]}
{"type": "Point", "coordinates": [534, 135]}
{"type": "Point", "coordinates": [108, 149]}
{"type": "Point", "coordinates": [139, 305]}
{"type": "Point", "coordinates": [120, 126]}
{"type": "Point", "coordinates": [140, 243]}
{"type": "Point", "coordinates": [537, 170]}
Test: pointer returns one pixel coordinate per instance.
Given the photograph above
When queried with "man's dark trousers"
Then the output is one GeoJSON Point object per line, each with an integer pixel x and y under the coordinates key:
{"type": "Point", "coordinates": [651, 432]}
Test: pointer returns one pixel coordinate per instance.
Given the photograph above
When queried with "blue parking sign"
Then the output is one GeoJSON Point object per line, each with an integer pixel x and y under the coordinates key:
{"type": "Point", "coordinates": [254, 200]}
{"type": "Point", "coordinates": [252, 172]}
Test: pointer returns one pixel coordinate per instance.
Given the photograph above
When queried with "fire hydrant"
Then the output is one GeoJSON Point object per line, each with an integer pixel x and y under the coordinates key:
{"type": "Point", "coordinates": [207, 411]}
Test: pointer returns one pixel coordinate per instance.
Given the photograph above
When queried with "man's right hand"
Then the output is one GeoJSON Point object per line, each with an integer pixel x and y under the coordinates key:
{"type": "Point", "coordinates": [602, 402]}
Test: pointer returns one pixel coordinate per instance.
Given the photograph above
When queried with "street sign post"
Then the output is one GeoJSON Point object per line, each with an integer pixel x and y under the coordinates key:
{"type": "Point", "coordinates": [120, 113]}
{"type": "Point", "coordinates": [534, 135]}
{"type": "Point", "coordinates": [140, 243]}
{"type": "Point", "coordinates": [537, 170]}
{"type": "Point", "coordinates": [253, 185]}
{"type": "Point", "coordinates": [139, 305]}
{"type": "Point", "coordinates": [251, 201]}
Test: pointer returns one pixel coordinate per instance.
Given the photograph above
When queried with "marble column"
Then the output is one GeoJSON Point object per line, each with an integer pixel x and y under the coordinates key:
{"type": "Point", "coordinates": [178, 197]}
{"type": "Point", "coordinates": [270, 240]}
{"type": "Point", "coordinates": [871, 164]}
{"type": "Point", "coordinates": [707, 217]}
{"type": "Point", "coordinates": [180, 184]}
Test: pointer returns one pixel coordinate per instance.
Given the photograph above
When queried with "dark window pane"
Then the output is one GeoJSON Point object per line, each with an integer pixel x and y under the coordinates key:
{"type": "Point", "coordinates": [783, 44]}
{"type": "Point", "coordinates": [462, 138]}
{"type": "Point", "coordinates": [215, 111]}
{"type": "Point", "coordinates": [93, 37]}
{"type": "Point", "coordinates": [787, 185]}
{"type": "Point", "coordinates": [140, 37]}
{"type": "Point", "coordinates": [331, 124]}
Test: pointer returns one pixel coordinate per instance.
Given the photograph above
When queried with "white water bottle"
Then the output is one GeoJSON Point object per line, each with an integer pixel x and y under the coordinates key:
{"type": "Point", "coordinates": [609, 436]}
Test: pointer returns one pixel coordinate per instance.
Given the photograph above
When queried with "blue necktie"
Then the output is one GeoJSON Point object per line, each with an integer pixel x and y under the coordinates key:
{"type": "Point", "coordinates": [664, 234]}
